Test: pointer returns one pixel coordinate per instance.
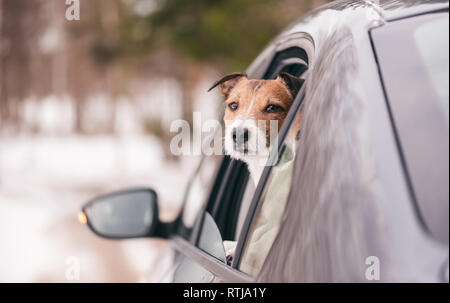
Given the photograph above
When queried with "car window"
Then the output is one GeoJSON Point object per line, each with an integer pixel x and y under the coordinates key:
{"type": "Point", "coordinates": [413, 55]}
{"type": "Point", "coordinates": [293, 60]}
{"type": "Point", "coordinates": [210, 240]}
{"type": "Point", "coordinates": [224, 213]}
{"type": "Point", "coordinates": [265, 225]}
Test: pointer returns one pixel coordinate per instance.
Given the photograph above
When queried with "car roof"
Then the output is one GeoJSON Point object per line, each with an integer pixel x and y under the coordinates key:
{"type": "Point", "coordinates": [387, 9]}
{"type": "Point", "coordinates": [394, 9]}
{"type": "Point", "coordinates": [362, 14]}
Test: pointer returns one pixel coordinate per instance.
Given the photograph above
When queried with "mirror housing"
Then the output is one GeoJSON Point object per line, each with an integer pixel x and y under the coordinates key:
{"type": "Point", "coordinates": [125, 214]}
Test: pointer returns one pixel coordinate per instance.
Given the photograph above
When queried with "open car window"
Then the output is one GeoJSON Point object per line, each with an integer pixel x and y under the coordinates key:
{"type": "Point", "coordinates": [222, 217]}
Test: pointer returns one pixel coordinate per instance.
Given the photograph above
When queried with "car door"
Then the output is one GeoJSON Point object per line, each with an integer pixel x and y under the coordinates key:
{"type": "Point", "coordinates": [226, 212]}
{"type": "Point", "coordinates": [349, 216]}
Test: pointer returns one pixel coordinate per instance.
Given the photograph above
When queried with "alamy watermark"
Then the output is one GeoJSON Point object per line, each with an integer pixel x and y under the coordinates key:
{"type": "Point", "coordinates": [373, 270]}
{"type": "Point", "coordinates": [73, 267]}
{"type": "Point", "coordinates": [73, 10]}
{"type": "Point", "coordinates": [241, 138]}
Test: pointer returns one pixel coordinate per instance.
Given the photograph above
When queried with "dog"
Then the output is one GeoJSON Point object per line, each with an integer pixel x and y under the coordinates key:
{"type": "Point", "coordinates": [255, 110]}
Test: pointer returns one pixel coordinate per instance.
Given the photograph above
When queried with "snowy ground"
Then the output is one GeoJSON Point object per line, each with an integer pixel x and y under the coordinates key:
{"type": "Point", "coordinates": [43, 184]}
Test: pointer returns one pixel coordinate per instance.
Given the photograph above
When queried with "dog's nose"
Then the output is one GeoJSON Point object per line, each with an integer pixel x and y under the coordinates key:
{"type": "Point", "coordinates": [240, 135]}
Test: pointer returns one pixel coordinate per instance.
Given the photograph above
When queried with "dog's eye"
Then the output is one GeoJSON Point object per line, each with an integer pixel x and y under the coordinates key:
{"type": "Point", "coordinates": [233, 106]}
{"type": "Point", "coordinates": [272, 108]}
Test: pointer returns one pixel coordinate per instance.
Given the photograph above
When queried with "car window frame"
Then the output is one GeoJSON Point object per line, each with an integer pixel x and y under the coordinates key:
{"type": "Point", "coordinates": [262, 185]}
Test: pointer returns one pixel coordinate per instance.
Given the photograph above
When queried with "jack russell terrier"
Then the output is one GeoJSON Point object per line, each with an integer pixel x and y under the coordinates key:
{"type": "Point", "coordinates": [255, 109]}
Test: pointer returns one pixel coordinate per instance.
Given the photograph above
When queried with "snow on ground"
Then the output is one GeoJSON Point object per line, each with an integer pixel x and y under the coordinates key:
{"type": "Point", "coordinates": [44, 181]}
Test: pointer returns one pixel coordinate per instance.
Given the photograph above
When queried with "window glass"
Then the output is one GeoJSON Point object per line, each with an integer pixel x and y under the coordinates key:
{"type": "Point", "coordinates": [265, 225]}
{"type": "Point", "coordinates": [413, 55]}
{"type": "Point", "coordinates": [210, 240]}
{"type": "Point", "coordinates": [432, 41]}
{"type": "Point", "coordinates": [199, 189]}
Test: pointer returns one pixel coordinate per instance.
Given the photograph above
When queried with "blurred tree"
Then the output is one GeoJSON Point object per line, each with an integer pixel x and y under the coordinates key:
{"type": "Point", "coordinates": [226, 33]}
{"type": "Point", "coordinates": [230, 32]}
{"type": "Point", "coordinates": [118, 41]}
{"type": "Point", "coordinates": [179, 38]}
{"type": "Point", "coordinates": [20, 27]}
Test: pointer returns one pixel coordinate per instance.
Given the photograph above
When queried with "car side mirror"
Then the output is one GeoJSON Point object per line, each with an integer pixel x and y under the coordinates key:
{"type": "Point", "coordinates": [124, 214]}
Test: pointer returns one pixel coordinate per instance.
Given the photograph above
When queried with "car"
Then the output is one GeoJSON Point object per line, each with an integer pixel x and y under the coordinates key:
{"type": "Point", "coordinates": [364, 198]}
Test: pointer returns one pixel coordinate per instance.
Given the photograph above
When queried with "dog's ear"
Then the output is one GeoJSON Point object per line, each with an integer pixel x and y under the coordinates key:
{"type": "Point", "coordinates": [293, 83]}
{"type": "Point", "coordinates": [228, 82]}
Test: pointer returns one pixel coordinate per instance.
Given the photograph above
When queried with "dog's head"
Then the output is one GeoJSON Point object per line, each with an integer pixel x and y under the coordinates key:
{"type": "Point", "coordinates": [255, 109]}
